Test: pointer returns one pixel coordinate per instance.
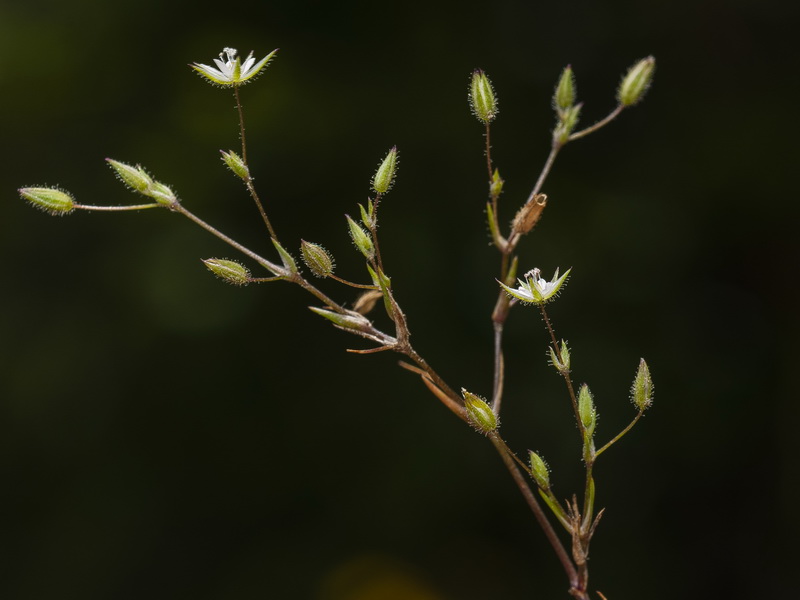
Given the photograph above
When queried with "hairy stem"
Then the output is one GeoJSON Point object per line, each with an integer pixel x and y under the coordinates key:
{"type": "Point", "coordinates": [601, 123]}
{"type": "Point", "coordinates": [117, 208]}
{"type": "Point", "coordinates": [249, 182]}
{"type": "Point", "coordinates": [538, 513]}
{"type": "Point", "coordinates": [573, 397]}
{"type": "Point", "coordinates": [620, 434]}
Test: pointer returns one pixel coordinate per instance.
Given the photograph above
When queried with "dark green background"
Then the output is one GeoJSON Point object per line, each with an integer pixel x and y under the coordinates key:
{"type": "Point", "coordinates": [163, 435]}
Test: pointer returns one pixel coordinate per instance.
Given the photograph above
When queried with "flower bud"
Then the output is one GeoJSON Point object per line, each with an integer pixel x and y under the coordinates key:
{"type": "Point", "coordinates": [482, 98]}
{"type": "Point", "coordinates": [541, 474]}
{"type": "Point", "coordinates": [134, 177]}
{"type": "Point", "coordinates": [564, 96]}
{"type": "Point", "coordinates": [642, 388]}
{"type": "Point", "coordinates": [567, 122]}
{"type": "Point", "coordinates": [349, 320]}
{"type": "Point", "coordinates": [50, 200]}
{"type": "Point", "coordinates": [317, 259]}
{"type": "Point", "coordinates": [635, 83]}
{"type": "Point", "coordinates": [561, 359]}
{"type": "Point", "coordinates": [586, 409]}
{"type": "Point", "coordinates": [496, 185]}
{"type": "Point", "coordinates": [235, 163]}
{"type": "Point", "coordinates": [361, 239]}
{"type": "Point", "coordinates": [384, 176]}
{"type": "Point", "coordinates": [368, 214]}
{"type": "Point", "coordinates": [161, 194]}
{"type": "Point", "coordinates": [479, 412]}
{"type": "Point", "coordinates": [229, 270]}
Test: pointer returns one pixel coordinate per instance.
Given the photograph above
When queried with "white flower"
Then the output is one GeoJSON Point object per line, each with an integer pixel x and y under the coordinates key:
{"type": "Point", "coordinates": [535, 289]}
{"type": "Point", "coordinates": [232, 72]}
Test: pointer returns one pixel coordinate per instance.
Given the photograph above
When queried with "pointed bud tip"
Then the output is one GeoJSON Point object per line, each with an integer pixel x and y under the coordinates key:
{"type": "Point", "coordinates": [50, 200]}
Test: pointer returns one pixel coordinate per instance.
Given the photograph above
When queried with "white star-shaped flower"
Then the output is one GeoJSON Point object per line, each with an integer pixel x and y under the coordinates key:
{"type": "Point", "coordinates": [535, 289]}
{"type": "Point", "coordinates": [230, 70]}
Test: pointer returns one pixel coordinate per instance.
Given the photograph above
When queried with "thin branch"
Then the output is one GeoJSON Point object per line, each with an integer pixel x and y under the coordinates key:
{"type": "Point", "coordinates": [533, 504]}
{"type": "Point", "coordinates": [602, 123]}
{"type": "Point", "coordinates": [573, 397]}
{"type": "Point", "coordinates": [249, 181]}
{"type": "Point", "coordinates": [117, 208]}
{"type": "Point", "coordinates": [620, 434]}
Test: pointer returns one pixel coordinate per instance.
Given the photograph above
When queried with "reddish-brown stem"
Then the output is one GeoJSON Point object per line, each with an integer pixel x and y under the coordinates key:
{"type": "Point", "coordinates": [538, 513]}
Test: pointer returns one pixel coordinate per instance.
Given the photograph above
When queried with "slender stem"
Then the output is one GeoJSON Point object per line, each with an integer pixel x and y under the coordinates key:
{"type": "Point", "coordinates": [249, 181]}
{"type": "Point", "coordinates": [241, 122]}
{"type": "Point", "coordinates": [588, 498]}
{"type": "Point", "coordinates": [489, 151]}
{"type": "Point", "coordinates": [373, 229]}
{"type": "Point", "coordinates": [573, 397]}
{"type": "Point", "coordinates": [541, 517]}
{"type": "Point", "coordinates": [117, 208]}
{"type": "Point", "coordinates": [603, 122]}
{"type": "Point", "coordinates": [251, 188]}
{"type": "Point", "coordinates": [516, 458]}
{"type": "Point", "coordinates": [620, 434]}
{"type": "Point", "coordinates": [434, 376]}
{"type": "Point", "coordinates": [499, 368]}
{"type": "Point", "coordinates": [279, 271]}
{"type": "Point", "coordinates": [360, 286]}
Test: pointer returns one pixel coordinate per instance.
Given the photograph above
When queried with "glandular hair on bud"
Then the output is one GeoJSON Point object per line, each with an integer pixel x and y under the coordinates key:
{"type": "Point", "coordinates": [541, 474]}
{"type": "Point", "coordinates": [586, 409]}
{"type": "Point", "coordinates": [636, 81]}
{"type": "Point", "coordinates": [134, 177]}
{"type": "Point", "coordinates": [50, 200]}
{"type": "Point", "coordinates": [384, 176]}
{"type": "Point", "coordinates": [317, 259]}
{"type": "Point", "coordinates": [235, 163]}
{"type": "Point", "coordinates": [229, 270]}
{"type": "Point", "coordinates": [642, 388]}
{"type": "Point", "coordinates": [564, 96]}
{"type": "Point", "coordinates": [482, 98]}
{"type": "Point", "coordinates": [480, 414]}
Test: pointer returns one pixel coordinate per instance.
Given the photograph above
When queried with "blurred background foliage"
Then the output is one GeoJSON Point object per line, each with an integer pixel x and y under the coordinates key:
{"type": "Point", "coordinates": [164, 435]}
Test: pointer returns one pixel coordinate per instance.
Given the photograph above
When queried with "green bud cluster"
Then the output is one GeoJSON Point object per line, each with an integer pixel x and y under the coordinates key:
{"type": "Point", "coordinates": [567, 111]}
{"type": "Point", "coordinates": [561, 359]}
{"type": "Point", "coordinates": [479, 412]}
{"type": "Point", "coordinates": [228, 270]}
{"type": "Point", "coordinates": [539, 470]}
{"type": "Point", "coordinates": [236, 164]}
{"type": "Point", "coordinates": [586, 410]}
{"type": "Point", "coordinates": [634, 84]}
{"type": "Point", "coordinates": [482, 98]}
{"type": "Point", "coordinates": [642, 388]}
{"type": "Point", "coordinates": [139, 181]}
{"type": "Point", "coordinates": [317, 259]}
{"type": "Point", "coordinates": [384, 177]}
{"type": "Point", "coordinates": [50, 200]}
{"type": "Point", "coordinates": [349, 320]}
{"type": "Point", "coordinates": [361, 239]}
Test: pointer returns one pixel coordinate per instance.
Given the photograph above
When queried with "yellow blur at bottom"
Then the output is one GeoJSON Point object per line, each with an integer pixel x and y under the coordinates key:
{"type": "Point", "coordinates": [376, 578]}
